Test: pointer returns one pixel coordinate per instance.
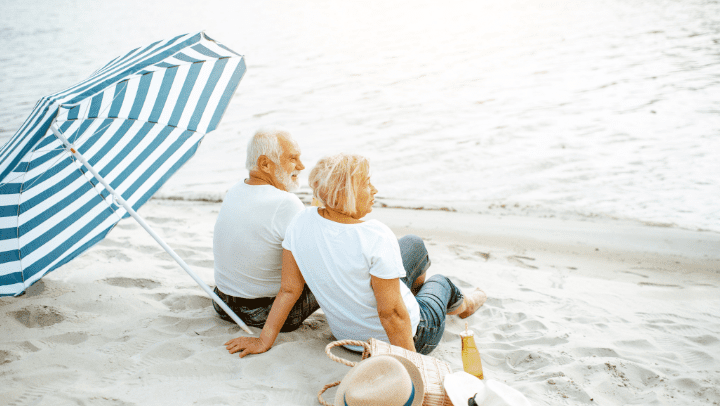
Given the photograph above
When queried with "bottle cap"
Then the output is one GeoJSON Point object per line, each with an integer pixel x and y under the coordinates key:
{"type": "Point", "coordinates": [467, 332]}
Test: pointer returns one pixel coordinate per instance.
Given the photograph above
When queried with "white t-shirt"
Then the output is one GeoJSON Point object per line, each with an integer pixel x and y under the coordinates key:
{"type": "Point", "coordinates": [337, 260]}
{"type": "Point", "coordinates": [247, 243]}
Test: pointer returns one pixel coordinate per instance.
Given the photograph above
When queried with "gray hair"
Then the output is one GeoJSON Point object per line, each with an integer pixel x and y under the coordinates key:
{"type": "Point", "coordinates": [265, 142]}
{"type": "Point", "coordinates": [334, 181]}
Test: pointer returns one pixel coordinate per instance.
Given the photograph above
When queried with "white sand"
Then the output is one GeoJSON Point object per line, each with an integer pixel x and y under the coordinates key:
{"type": "Point", "coordinates": [579, 312]}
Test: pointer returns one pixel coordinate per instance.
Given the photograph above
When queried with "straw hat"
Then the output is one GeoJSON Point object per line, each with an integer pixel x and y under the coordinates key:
{"type": "Point", "coordinates": [382, 380]}
{"type": "Point", "coordinates": [460, 386]}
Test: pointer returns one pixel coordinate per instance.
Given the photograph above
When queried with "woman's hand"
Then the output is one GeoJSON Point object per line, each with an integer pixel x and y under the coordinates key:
{"type": "Point", "coordinates": [247, 345]}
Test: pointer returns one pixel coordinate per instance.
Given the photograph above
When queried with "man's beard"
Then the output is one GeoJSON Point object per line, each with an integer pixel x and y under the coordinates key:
{"type": "Point", "coordinates": [286, 179]}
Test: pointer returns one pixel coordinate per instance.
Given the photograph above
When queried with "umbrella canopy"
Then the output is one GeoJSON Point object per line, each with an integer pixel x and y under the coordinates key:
{"type": "Point", "coordinates": [136, 121]}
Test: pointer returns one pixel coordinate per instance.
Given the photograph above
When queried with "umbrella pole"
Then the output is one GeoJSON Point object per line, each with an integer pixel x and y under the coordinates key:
{"type": "Point", "coordinates": [150, 231]}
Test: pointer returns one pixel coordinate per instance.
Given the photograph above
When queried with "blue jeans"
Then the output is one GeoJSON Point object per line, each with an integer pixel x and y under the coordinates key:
{"type": "Point", "coordinates": [436, 297]}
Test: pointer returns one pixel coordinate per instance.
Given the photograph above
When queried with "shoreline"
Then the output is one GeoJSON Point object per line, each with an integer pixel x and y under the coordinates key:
{"type": "Point", "coordinates": [490, 209]}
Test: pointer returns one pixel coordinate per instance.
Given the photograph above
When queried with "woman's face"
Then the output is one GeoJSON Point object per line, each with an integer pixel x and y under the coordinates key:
{"type": "Point", "coordinates": [364, 197]}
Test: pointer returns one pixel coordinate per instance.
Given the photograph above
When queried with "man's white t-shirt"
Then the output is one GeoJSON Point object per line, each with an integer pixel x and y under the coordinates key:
{"type": "Point", "coordinates": [247, 243]}
{"type": "Point", "coordinates": [337, 260]}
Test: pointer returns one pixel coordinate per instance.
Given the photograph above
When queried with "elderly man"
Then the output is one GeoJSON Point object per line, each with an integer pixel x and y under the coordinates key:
{"type": "Point", "coordinates": [250, 229]}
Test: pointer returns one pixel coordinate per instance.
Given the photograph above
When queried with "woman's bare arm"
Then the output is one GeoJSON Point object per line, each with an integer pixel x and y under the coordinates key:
{"type": "Point", "coordinates": [393, 314]}
{"type": "Point", "coordinates": [291, 287]}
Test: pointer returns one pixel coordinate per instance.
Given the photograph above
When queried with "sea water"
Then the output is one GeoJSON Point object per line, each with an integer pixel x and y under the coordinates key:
{"type": "Point", "coordinates": [604, 108]}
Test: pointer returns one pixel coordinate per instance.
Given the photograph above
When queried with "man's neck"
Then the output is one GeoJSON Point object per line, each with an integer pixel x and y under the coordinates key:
{"type": "Point", "coordinates": [256, 180]}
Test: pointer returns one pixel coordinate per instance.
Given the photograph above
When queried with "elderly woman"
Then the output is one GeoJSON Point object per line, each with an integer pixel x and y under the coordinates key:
{"type": "Point", "coordinates": [363, 278]}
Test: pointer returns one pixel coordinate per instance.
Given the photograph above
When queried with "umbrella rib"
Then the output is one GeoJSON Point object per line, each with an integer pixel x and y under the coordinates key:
{"type": "Point", "coordinates": [112, 102]}
{"type": "Point", "coordinates": [32, 154]}
{"type": "Point", "coordinates": [39, 176]}
{"type": "Point", "coordinates": [11, 180]}
{"type": "Point", "coordinates": [79, 168]}
{"type": "Point", "coordinates": [109, 105]}
{"type": "Point", "coordinates": [77, 140]}
{"type": "Point", "coordinates": [23, 174]}
{"type": "Point", "coordinates": [17, 227]}
{"type": "Point", "coordinates": [60, 148]}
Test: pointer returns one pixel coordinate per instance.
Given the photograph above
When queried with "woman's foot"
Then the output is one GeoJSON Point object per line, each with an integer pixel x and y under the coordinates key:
{"type": "Point", "coordinates": [471, 302]}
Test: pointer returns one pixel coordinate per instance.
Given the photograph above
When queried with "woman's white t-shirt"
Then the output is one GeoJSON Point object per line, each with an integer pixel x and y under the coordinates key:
{"type": "Point", "coordinates": [337, 260]}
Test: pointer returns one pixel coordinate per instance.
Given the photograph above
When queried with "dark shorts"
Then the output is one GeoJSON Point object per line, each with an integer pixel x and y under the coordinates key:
{"type": "Point", "coordinates": [254, 312]}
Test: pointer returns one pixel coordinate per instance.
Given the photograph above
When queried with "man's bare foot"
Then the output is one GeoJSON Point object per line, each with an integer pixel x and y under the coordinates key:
{"type": "Point", "coordinates": [472, 302]}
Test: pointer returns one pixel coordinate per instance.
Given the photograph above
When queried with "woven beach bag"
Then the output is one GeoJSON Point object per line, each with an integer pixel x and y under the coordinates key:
{"type": "Point", "coordinates": [433, 370]}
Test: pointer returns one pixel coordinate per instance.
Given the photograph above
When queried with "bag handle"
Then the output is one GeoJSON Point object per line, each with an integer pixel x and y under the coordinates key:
{"type": "Point", "coordinates": [343, 361]}
{"type": "Point", "coordinates": [366, 353]}
{"type": "Point", "coordinates": [326, 387]}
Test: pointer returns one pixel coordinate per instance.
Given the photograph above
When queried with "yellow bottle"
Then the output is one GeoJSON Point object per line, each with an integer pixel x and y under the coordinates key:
{"type": "Point", "coordinates": [470, 354]}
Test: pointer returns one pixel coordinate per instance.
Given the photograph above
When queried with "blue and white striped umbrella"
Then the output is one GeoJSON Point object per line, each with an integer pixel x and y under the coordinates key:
{"type": "Point", "coordinates": [136, 121]}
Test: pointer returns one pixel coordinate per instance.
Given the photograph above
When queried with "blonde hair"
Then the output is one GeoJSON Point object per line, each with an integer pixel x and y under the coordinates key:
{"type": "Point", "coordinates": [334, 181]}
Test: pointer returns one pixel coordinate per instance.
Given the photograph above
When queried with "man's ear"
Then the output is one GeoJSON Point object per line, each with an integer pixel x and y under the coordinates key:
{"type": "Point", "coordinates": [265, 164]}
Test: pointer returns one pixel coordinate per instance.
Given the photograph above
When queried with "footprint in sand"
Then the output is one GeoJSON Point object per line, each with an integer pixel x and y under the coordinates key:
{"type": "Point", "coordinates": [132, 283]}
{"type": "Point", "coordinates": [461, 252]}
{"type": "Point", "coordinates": [157, 296]}
{"type": "Point", "coordinates": [27, 346]}
{"type": "Point", "coordinates": [109, 242]}
{"type": "Point", "coordinates": [38, 316]}
{"type": "Point", "coordinates": [180, 302]}
{"type": "Point", "coordinates": [163, 220]}
{"type": "Point", "coordinates": [36, 289]}
{"type": "Point", "coordinates": [587, 352]}
{"type": "Point", "coordinates": [127, 346]}
{"type": "Point", "coordinates": [7, 357]}
{"type": "Point", "coordinates": [127, 225]}
{"type": "Point", "coordinates": [169, 351]}
{"type": "Point", "coordinates": [659, 285]}
{"type": "Point", "coordinates": [196, 325]}
{"type": "Point", "coordinates": [704, 340]}
{"type": "Point", "coordinates": [146, 355]}
{"type": "Point", "coordinates": [562, 388]}
{"type": "Point", "coordinates": [522, 360]}
{"type": "Point", "coordinates": [114, 255]}
{"type": "Point", "coordinates": [69, 338]}
{"type": "Point", "coordinates": [521, 261]}
{"type": "Point", "coordinates": [513, 317]}
{"type": "Point", "coordinates": [203, 263]}
{"type": "Point", "coordinates": [46, 390]}
{"type": "Point", "coordinates": [148, 249]}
